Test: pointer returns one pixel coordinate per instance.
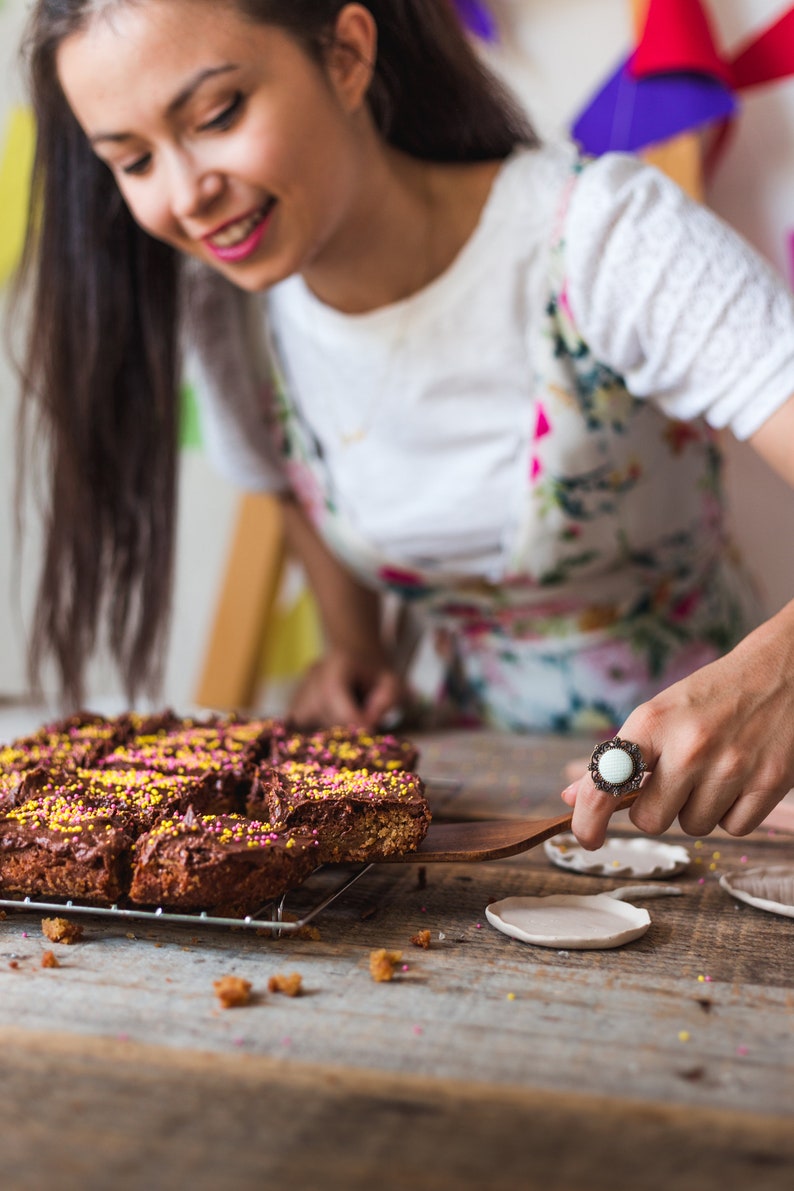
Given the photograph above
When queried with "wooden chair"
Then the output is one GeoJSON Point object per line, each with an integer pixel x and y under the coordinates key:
{"type": "Point", "coordinates": [229, 677]}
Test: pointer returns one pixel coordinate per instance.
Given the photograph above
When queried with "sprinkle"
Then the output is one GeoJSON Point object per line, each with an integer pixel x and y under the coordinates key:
{"type": "Point", "coordinates": [286, 1042]}
{"type": "Point", "coordinates": [511, 996]}
{"type": "Point", "coordinates": [479, 926]}
{"type": "Point", "coordinates": [122, 1037]}
{"type": "Point", "coordinates": [742, 860]}
{"type": "Point", "coordinates": [24, 934]}
{"type": "Point", "coordinates": [683, 1035]}
{"type": "Point", "coordinates": [716, 855]}
{"type": "Point", "coordinates": [701, 880]}
{"type": "Point", "coordinates": [704, 980]}
{"type": "Point", "coordinates": [405, 967]}
{"type": "Point", "coordinates": [698, 843]}
{"type": "Point", "coordinates": [742, 1050]}
{"type": "Point", "coordinates": [238, 1041]}
{"type": "Point", "coordinates": [712, 867]}
{"type": "Point", "coordinates": [417, 1029]}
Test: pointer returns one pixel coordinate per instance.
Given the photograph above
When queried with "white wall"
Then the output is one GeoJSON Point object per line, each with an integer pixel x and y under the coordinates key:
{"type": "Point", "coordinates": [554, 53]}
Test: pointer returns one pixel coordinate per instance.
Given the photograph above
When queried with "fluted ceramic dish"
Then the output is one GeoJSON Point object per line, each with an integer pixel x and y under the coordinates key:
{"type": "Point", "coordinates": [639, 858]}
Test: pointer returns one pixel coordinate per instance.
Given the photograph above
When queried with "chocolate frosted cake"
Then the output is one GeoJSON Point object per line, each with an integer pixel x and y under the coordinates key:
{"type": "Point", "coordinates": [343, 748]}
{"type": "Point", "coordinates": [53, 847]}
{"type": "Point", "coordinates": [141, 797]}
{"type": "Point", "coordinates": [86, 799]}
{"type": "Point", "coordinates": [356, 815]}
{"type": "Point", "coordinates": [224, 863]}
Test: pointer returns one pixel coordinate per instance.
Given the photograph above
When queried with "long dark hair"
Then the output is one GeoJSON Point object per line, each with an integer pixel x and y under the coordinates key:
{"type": "Point", "coordinates": [104, 309]}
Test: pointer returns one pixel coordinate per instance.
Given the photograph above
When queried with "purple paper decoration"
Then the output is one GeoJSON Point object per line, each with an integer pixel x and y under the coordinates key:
{"type": "Point", "coordinates": [477, 18]}
{"type": "Point", "coordinates": [628, 114]}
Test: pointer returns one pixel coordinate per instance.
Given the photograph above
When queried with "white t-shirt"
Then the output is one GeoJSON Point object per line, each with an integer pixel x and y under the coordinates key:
{"type": "Point", "coordinates": [424, 408]}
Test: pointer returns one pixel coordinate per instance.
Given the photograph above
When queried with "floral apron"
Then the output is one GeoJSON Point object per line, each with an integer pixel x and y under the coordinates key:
{"type": "Point", "coordinates": [620, 579]}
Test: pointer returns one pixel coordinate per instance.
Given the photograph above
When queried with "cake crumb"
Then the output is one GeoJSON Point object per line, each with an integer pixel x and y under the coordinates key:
{"type": "Point", "coordinates": [291, 986]}
{"type": "Point", "coordinates": [61, 930]}
{"type": "Point", "coordinates": [381, 964]}
{"type": "Point", "coordinates": [232, 991]}
{"type": "Point", "coordinates": [421, 939]}
{"type": "Point", "coordinates": [48, 960]}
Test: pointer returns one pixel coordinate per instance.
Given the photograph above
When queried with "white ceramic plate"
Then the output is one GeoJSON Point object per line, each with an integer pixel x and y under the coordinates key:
{"type": "Point", "coordinates": [568, 921]}
{"type": "Point", "coordinates": [618, 857]}
{"type": "Point", "coordinates": [767, 887]}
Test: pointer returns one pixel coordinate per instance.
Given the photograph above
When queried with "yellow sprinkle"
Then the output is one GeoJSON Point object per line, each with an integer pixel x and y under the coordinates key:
{"type": "Point", "coordinates": [683, 1035]}
{"type": "Point", "coordinates": [701, 979]}
{"type": "Point", "coordinates": [616, 864]}
{"type": "Point", "coordinates": [511, 996]}
{"type": "Point", "coordinates": [712, 867]}
{"type": "Point", "coordinates": [715, 855]}
{"type": "Point", "coordinates": [698, 843]}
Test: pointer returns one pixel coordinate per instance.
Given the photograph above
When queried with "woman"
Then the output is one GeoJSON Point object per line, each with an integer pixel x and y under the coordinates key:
{"type": "Point", "coordinates": [486, 380]}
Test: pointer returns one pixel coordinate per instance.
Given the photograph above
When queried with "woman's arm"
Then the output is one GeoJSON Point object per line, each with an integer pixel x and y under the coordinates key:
{"type": "Point", "coordinates": [354, 682]}
{"type": "Point", "coordinates": [720, 743]}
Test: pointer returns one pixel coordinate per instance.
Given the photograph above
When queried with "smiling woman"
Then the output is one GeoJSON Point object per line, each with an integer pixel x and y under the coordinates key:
{"type": "Point", "coordinates": [481, 373]}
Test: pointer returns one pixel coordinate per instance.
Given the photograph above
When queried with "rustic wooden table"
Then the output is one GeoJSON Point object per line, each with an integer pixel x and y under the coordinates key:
{"type": "Point", "coordinates": [486, 1063]}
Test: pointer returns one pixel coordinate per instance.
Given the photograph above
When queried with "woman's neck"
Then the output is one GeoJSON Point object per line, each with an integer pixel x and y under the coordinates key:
{"type": "Point", "coordinates": [412, 220]}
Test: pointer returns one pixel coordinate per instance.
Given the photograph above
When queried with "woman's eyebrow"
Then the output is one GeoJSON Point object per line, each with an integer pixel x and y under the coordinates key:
{"type": "Point", "coordinates": [180, 99]}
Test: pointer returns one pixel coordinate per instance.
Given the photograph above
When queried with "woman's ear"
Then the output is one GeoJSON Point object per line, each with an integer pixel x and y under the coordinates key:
{"type": "Point", "coordinates": [351, 55]}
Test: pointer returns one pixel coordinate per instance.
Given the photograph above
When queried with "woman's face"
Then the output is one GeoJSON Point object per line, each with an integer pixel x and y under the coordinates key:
{"type": "Point", "coordinates": [226, 140]}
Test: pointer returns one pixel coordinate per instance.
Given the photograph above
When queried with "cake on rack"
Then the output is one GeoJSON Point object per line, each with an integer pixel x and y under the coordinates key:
{"type": "Point", "coordinates": [53, 847]}
{"type": "Point", "coordinates": [343, 748]}
{"type": "Point", "coordinates": [356, 814]}
{"type": "Point", "coordinates": [224, 863]}
{"type": "Point", "coordinates": [198, 814]}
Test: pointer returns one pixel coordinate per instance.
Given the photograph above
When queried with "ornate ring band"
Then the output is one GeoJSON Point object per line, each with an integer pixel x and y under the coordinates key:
{"type": "Point", "coordinates": [617, 767]}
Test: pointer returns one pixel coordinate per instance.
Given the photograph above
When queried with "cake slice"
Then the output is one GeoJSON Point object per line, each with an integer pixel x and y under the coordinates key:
{"type": "Point", "coordinates": [53, 847]}
{"type": "Point", "coordinates": [356, 815]}
{"type": "Point", "coordinates": [141, 797]}
{"type": "Point", "coordinates": [223, 863]}
{"type": "Point", "coordinates": [344, 748]}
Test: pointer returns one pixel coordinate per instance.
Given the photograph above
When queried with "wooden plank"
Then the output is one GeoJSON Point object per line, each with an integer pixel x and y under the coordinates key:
{"type": "Point", "coordinates": [81, 1113]}
{"type": "Point", "coordinates": [248, 594]}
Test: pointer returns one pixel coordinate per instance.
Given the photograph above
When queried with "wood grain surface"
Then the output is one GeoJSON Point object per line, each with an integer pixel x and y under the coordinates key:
{"type": "Point", "coordinates": [483, 1053]}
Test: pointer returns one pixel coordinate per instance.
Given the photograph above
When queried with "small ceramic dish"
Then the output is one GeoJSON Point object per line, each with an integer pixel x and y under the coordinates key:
{"type": "Point", "coordinates": [767, 887]}
{"type": "Point", "coordinates": [618, 857]}
{"type": "Point", "coordinates": [568, 921]}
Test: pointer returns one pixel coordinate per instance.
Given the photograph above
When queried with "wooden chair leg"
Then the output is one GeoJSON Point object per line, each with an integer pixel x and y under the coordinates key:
{"type": "Point", "coordinates": [245, 606]}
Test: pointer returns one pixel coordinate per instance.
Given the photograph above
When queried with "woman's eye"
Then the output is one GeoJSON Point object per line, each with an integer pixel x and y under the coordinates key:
{"type": "Point", "coordinates": [138, 167]}
{"type": "Point", "coordinates": [226, 118]}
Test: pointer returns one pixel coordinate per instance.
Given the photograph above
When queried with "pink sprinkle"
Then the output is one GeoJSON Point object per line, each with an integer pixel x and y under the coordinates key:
{"type": "Point", "coordinates": [707, 979]}
{"type": "Point", "coordinates": [701, 880]}
{"type": "Point", "coordinates": [123, 1037]}
{"type": "Point", "coordinates": [238, 1041]}
{"type": "Point", "coordinates": [742, 860]}
{"type": "Point", "coordinates": [405, 967]}
{"type": "Point", "coordinates": [424, 909]}
{"type": "Point", "coordinates": [286, 1042]}
{"type": "Point", "coordinates": [535, 468]}
{"type": "Point", "coordinates": [479, 926]}
{"type": "Point", "coordinates": [24, 934]}
{"type": "Point", "coordinates": [417, 1029]}
{"type": "Point", "coordinates": [742, 1050]}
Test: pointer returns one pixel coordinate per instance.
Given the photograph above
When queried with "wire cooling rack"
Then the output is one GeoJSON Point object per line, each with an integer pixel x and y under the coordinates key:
{"type": "Point", "coordinates": [270, 917]}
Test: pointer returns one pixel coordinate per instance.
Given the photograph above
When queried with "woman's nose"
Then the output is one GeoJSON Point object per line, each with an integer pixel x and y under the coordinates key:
{"type": "Point", "coordinates": [193, 189]}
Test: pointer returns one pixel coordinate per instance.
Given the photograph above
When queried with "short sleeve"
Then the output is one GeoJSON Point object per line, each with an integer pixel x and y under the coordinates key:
{"type": "Point", "coordinates": [668, 295]}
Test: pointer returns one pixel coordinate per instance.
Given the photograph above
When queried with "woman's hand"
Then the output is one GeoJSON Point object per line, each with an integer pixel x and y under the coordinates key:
{"type": "Point", "coordinates": [719, 745]}
{"type": "Point", "coordinates": [343, 689]}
